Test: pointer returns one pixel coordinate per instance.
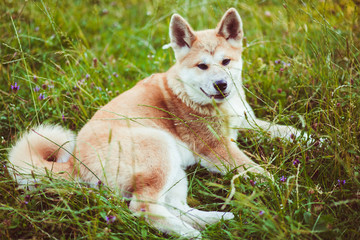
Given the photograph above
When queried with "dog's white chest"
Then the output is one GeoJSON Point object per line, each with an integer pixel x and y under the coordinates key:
{"type": "Point", "coordinates": [239, 111]}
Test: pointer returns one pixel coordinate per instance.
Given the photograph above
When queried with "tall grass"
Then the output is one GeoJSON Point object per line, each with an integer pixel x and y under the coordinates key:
{"type": "Point", "coordinates": [301, 68]}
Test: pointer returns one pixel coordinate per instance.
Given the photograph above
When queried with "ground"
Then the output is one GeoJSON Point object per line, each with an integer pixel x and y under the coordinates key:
{"type": "Point", "coordinates": [62, 60]}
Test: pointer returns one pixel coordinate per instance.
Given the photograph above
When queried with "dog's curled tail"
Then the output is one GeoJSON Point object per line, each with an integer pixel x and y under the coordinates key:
{"type": "Point", "coordinates": [46, 146]}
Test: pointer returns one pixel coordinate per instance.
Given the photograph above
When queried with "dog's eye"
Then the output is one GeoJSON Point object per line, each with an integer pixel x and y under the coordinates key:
{"type": "Point", "coordinates": [202, 66]}
{"type": "Point", "coordinates": [225, 62]}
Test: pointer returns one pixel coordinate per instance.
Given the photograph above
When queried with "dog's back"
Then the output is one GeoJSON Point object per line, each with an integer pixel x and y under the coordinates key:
{"type": "Point", "coordinates": [141, 142]}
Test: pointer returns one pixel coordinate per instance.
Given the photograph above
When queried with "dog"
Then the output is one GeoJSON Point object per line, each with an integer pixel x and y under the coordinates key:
{"type": "Point", "coordinates": [141, 141]}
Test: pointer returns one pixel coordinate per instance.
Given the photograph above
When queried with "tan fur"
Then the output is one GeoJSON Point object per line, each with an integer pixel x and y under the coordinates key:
{"type": "Point", "coordinates": [44, 142]}
{"type": "Point", "coordinates": [141, 141]}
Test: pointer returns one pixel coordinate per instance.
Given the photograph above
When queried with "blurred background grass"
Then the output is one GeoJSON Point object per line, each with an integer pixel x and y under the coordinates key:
{"type": "Point", "coordinates": [301, 67]}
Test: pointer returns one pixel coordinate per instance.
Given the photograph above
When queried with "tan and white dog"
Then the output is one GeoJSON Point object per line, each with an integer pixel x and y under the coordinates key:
{"type": "Point", "coordinates": [141, 141]}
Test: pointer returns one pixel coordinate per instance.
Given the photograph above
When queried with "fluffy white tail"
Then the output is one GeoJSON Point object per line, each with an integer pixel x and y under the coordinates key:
{"type": "Point", "coordinates": [46, 146]}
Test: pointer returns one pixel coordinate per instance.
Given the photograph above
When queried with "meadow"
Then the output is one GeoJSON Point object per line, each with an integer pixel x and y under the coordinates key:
{"type": "Point", "coordinates": [61, 60]}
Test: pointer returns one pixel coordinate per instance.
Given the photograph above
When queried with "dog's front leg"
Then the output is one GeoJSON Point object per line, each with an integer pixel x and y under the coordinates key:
{"type": "Point", "coordinates": [275, 130]}
{"type": "Point", "coordinates": [244, 117]}
{"type": "Point", "coordinates": [226, 157]}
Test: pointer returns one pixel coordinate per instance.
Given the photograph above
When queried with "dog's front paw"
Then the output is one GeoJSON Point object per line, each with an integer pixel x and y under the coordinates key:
{"type": "Point", "coordinates": [292, 134]}
{"type": "Point", "coordinates": [295, 135]}
{"type": "Point", "coordinates": [194, 234]}
{"type": "Point", "coordinates": [260, 171]}
{"type": "Point", "coordinates": [306, 138]}
{"type": "Point", "coordinates": [227, 216]}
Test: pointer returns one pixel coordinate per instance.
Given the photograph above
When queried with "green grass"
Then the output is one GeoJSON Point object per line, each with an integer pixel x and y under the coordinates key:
{"type": "Point", "coordinates": [52, 45]}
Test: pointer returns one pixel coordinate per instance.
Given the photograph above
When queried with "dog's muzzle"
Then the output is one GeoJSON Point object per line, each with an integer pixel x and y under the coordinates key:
{"type": "Point", "coordinates": [220, 86]}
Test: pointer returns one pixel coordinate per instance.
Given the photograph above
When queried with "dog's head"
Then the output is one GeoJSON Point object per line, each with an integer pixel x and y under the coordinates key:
{"type": "Point", "coordinates": [208, 62]}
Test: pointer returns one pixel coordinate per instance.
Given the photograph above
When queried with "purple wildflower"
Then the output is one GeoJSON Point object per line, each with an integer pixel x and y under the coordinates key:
{"type": "Point", "coordinates": [35, 78]}
{"type": "Point", "coordinates": [36, 89]}
{"type": "Point", "coordinates": [15, 87]}
{"type": "Point", "coordinates": [261, 213]}
{"type": "Point", "coordinates": [296, 162]}
{"type": "Point", "coordinates": [277, 61]}
{"type": "Point", "coordinates": [99, 183]}
{"type": "Point", "coordinates": [110, 219]}
{"type": "Point", "coordinates": [63, 117]}
{"type": "Point", "coordinates": [281, 69]}
{"type": "Point", "coordinates": [41, 96]}
{"type": "Point", "coordinates": [341, 182]}
{"type": "Point", "coordinates": [99, 88]}
{"type": "Point", "coordinates": [283, 179]}
{"type": "Point", "coordinates": [253, 183]}
{"type": "Point", "coordinates": [95, 61]}
{"type": "Point", "coordinates": [87, 76]}
{"type": "Point", "coordinates": [115, 74]}
{"type": "Point", "coordinates": [27, 199]}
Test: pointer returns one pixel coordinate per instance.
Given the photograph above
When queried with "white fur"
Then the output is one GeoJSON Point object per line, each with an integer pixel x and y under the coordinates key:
{"type": "Point", "coordinates": [25, 155]}
{"type": "Point", "coordinates": [206, 79]}
{"type": "Point", "coordinates": [139, 149]}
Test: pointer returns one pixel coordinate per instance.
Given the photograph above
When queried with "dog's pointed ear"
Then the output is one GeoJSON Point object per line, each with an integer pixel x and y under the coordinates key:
{"type": "Point", "coordinates": [230, 27]}
{"type": "Point", "coordinates": [181, 34]}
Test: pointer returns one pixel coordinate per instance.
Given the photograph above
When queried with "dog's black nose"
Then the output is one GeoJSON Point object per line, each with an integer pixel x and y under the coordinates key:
{"type": "Point", "coordinates": [220, 85]}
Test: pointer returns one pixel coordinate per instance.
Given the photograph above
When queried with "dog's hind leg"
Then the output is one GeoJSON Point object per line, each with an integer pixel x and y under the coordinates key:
{"type": "Point", "coordinates": [177, 204]}
{"type": "Point", "coordinates": [150, 202]}
{"type": "Point", "coordinates": [160, 217]}
{"type": "Point", "coordinates": [151, 184]}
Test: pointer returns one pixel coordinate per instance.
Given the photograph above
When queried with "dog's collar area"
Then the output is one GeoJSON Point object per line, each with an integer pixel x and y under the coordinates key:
{"type": "Point", "coordinates": [219, 96]}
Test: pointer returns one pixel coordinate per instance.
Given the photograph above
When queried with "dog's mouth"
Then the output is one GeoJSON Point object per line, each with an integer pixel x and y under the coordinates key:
{"type": "Point", "coordinates": [219, 96]}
